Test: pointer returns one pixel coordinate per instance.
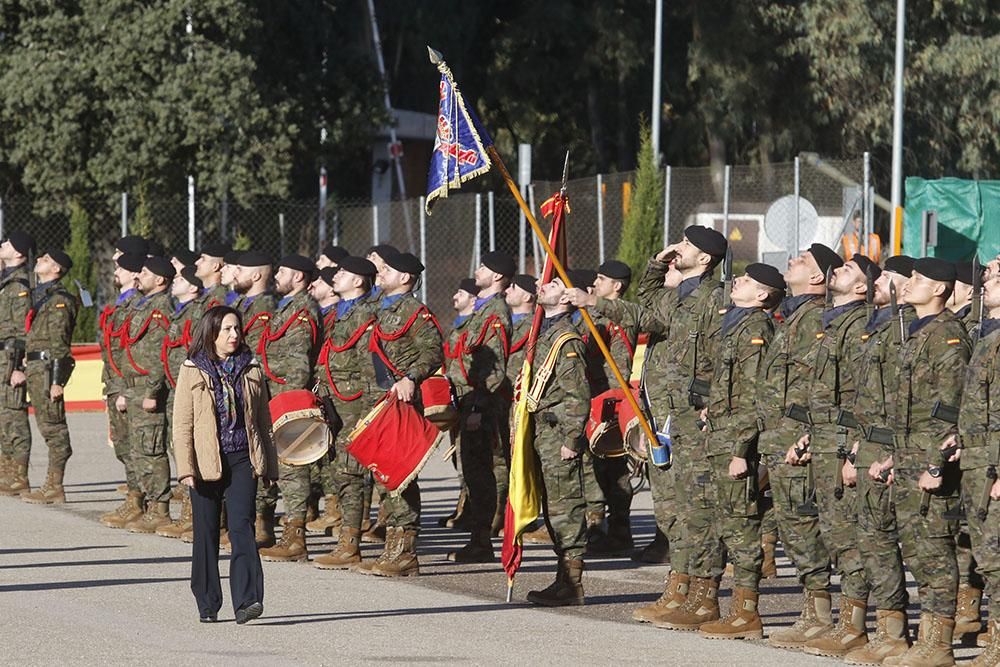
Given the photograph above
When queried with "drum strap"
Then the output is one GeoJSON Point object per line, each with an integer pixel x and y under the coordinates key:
{"type": "Point", "coordinates": [541, 380]}
{"type": "Point", "coordinates": [301, 315]}
{"type": "Point", "coordinates": [491, 327]}
{"type": "Point", "coordinates": [329, 346]}
{"type": "Point", "coordinates": [127, 340]}
{"type": "Point", "coordinates": [173, 343]}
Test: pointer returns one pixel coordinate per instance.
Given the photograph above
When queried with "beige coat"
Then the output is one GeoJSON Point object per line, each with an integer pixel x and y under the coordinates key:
{"type": "Point", "coordinates": [195, 429]}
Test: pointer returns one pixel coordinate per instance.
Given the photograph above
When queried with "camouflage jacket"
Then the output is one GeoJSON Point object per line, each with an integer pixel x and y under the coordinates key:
{"type": "Point", "coordinates": [518, 346]}
{"type": "Point", "coordinates": [290, 345]}
{"type": "Point", "coordinates": [113, 325]}
{"type": "Point", "coordinates": [621, 337]}
{"type": "Point", "coordinates": [405, 342]}
{"type": "Point", "coordinates": [52, 321]}
{"type": "Point", "coordinates": [932, 370]}
{"type": "Point", "coordinates": [979, 416]}
{"type": "Point", "coordinates": [15, 302]}
{"type": "Point", "coordinates": [344, 360]}
{"type": "Point", "coordinates": [563, 398]}
{"type": "Point", "coordinates": [183, 320]}
{"type": "Point", "coordinates": [257, 312]}
{"type": "Point", "coordinates": [148, 324]}
{"type": "Point", "coordinates": [476, 351]}
{"type": "Point", "coordinates": [731, 410]}
{"type": "Point", "coordinates": [213, 296]}
{"type": "Point", "coordinates": [969, 320]}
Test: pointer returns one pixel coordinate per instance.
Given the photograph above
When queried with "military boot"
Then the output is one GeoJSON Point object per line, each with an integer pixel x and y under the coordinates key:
{"type": "Point", "coordinates": [187, 537]}
{"type": "Point", "coordinates": [457, 518]}
{"type": "Point", "coordinates": [768, 542]}
{"type": "Point", "coordinates": [17, 481]}
{"type": "Point", "coordinates": [967, 615]}
{"type": "Point", "coordinates": [389, 552]}
{"type": "Point", "coordinates": [292, 545]}
{"type": "Point", "coordinates": [377, 532]}
{"type": "Point", "coordinates": [478, 550]}
{"type": "Point", "coordinates": [404, 563]}
{"type": "Point", "coordinates": [566, 590]}
{"type": "Point", "coordinates": [180, 492]}
{"type": "Point", "coordinates": [263, 528]}
{"type": "Point", "coordinates": [890, 639]}
{"type": "Point", "coordinates": [984, 638]}
{"type": "Point", "coordinates": [673, 597]}
{"type": "Point", "coordinates": [329, 520]}
{"type": "Point", "coordinates": [50, 493]}
{"type": "Point", "coordinates": [595, 528]}
{"type": "Point", "coordinates": [849, 634]}
{"type": "Point", "coordinates": [702, 606]}
{"type": "Point", "coordinates": [933, 645]}
{"type": "Point", "coordinates": [657, 551]}
{"type": "Point", "coordinates": [6, 467]}
{"type": "Point", "coordinates": [156, 516]}
{"type": "Point", "coordinates": [539, 535]}
{"type": "Point", "coordinates": [815, 620]}
{"type": "Point", "coordinates": [742, 621]}
{"type": "Point", "coordinates": [181, 524]}
{"type": "Point", "coordinates": [346, 554]}
{"type": "Point", "coordinates": [991, 656]}
{"type": "Point", "coordinates": [312, 508]}
{"type": "Point", "coordinates": [122, 489]}
{"type": "Point", "coordinates": [130, 510]}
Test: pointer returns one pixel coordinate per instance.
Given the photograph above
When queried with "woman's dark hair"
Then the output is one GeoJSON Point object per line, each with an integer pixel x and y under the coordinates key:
{"type": "Point", "coordinates": [203, 338]}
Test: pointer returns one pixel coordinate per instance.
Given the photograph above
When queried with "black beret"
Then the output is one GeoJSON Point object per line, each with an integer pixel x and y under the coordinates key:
{"type": "Point", "coordinates": [232, 257]}
{"type": "Point", "coordinates": [582, 278]}
{"type": "Point", "coordinates": [707, 240]}
{"type": "Point", "coordinates": [826, 258]}
{"type": "Point", "coordinates": [255, 258]}
{"type": "Point", "coordinates": [405, 262]}
{"type": "Point", "coordinates": [528, 283]}
{"type": "Point", "coordinates": [188, 274]}
{"type": "Point", "coordinates": [382, 250]}
{"type": "Point", "coordinates": [299, 263]}
{"type": "Point", "coordinates": [615, 270]}
{"type": "Point", "coordinates": [335, 253]}
{"type": "Point", "coordinates": [131, 261]}
{"type": "Point", "coordinates": [901, 264]}
{"type": "Point", "coordinates": [936, 269]}
{"type": "Point", "coordinates": [161, 266]}
{"type": "Point", "coordinates": [216, 250]}
{"type": "Point", "coordinates": [154, 247]}
{"type": "Point", "coordinates": [963, 273]}
{"type": "Point", "coordinates": [867, 265]}
{"type": "Point", "coordinates": [766, 274]}
{"type": "Point", "coordinates": [359, 266]}
{"type": "Point", "coordinates": [500, 262]}
{"type": "Point", "coordinates": [22, 242]}
{"type": "Point", "coordinates": [469, 285]}
{"type": "Point", "coordinates": [62, 259]}
{"type": "Point", "coordinates": [327, 273]}
{"type": "Point", "coordinates": [185, 256]}
{"type": "Point", "coordinates": [135, 245]}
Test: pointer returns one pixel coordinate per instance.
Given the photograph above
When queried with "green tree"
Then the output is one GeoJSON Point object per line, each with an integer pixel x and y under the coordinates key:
{"type": "Point", "coordinates": [82, 272]}
{"type": "Point", "coordinates": [642, 231]}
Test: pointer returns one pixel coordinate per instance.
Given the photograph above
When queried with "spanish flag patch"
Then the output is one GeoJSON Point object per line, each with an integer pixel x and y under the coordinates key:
{"type": "Point", "coordinates": [756, 341]}
{"type": "Point", "coordinates": [865, 337]}
{"type": "Point", "coordinates": [954, 341]}
{"type": "Point", "coordinates": [60, 305]}
{"type": "Point", "coordinates": [820, 335]}
{"type": "Point", "coordinates": [571, 355]}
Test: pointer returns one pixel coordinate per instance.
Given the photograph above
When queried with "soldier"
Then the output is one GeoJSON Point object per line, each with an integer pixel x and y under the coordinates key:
{"type": "Point", "coordinates": [376, 255]}
{"type": "Point", "coordinates": [960, 302]}
{"type": "Point", "coordinates": [288, 352]}
{"type": "Point", "coordinates": [331, 256]}
{"type": "Point", "coordinates": [15, 302]}
{"type": "Point", "coordinates": [731, 423]}
{"type": "Point", "coordinates": [227, 277]}
{"type": "Point", "coordinates": [209, 269]}
{"type": "Point", "coordinates": [783, 382]}
{"type": "Point", "coordinates": [341, 376]}
{"type": "Point", "coordinates": [406, 350]}
{"type": "Point", "coordinates": [980, 457]}
{"type": "Point", "coordinates": [478, 372]}
{"type": "Point", "coordinates": [183, 257]}
{"type": "Point", "coordinates": [48, 364]}
{"type": "Point", "coordinates": [520, 298]}
{"type": "Point", "coordinates": [559, 401]}
{"type": "Point", "coordinates": [933, 362]}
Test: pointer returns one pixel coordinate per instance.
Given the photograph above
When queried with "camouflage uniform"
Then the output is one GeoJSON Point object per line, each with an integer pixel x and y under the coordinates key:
{"type": "Point", "coordinates": [15, 301]}
{"type": "Point", "coordinates": [213, 296]}
{"type": "Point", "coordinates": [932, 367]}
{"type": "Point", "coordinates": [520, 327]}
{"type": "Point", "coordinates": [183, 321]}
{"type": "Point", "coordinates": [968, 571]}
{"type": "Point", "coordinates": [113, 325]}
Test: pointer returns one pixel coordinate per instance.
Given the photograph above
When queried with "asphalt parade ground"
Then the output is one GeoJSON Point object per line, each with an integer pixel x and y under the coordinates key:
{"type": "Point", "coordinates": [73, 591]}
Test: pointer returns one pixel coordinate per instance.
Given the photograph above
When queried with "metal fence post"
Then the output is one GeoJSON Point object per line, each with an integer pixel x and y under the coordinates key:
{"type": "Point", "coordinates": [1, 218]}
{"type": "Point", "coordinates": [600, 219]}
{"type": "Point", "coordinates": [536, 250]}
{"type": "Point", "coordinates": [124, 214]}
{"type": "Point", "coordinates": [281, 232]}
{"type": "Point", "coordinates": [478, 239]}
{"type": "Point", "coordinates": [374, 224]}
{"type": "Point", "coordinates": [492, 221]}
{"type": "Point", "coordinates": [191, 213]}
{"type": "Point", "coordinates": [423, 248]}
{"type": "Point", "coordinates": [666, 208]}
{"type": "Point", "coordinates": [725, 203]}
{"type": "Point", "coordinates": [794, 251]}
{"type": "Point", "coordinates": [865, 220]}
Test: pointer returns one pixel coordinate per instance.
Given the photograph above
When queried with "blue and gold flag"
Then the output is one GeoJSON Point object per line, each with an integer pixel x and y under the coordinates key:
{"type": "Point", "coordinates": [460, 146]}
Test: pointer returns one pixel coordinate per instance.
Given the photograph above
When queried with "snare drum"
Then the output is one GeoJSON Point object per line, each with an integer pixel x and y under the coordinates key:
{"type": "Point", "coordinates": [604, 435]}
{"type": "Point", "coordinates": [301, 433]}
{"type": "Point", "coordinates": [438, 398]}
{"type": "Point", "coordinates": [633, 437]}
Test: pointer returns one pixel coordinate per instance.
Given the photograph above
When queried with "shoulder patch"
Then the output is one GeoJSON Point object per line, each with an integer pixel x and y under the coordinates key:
{"type": "Point", "coordinates": [572, 355]}
{"type": "Point", "coordinates": [954, 341]}
{"type": "Point", "coordinates": [756, 341]}
{"type": "Point", "coordinates": [60, 305]}
{"type": "Point", "coordinates": [25, 293]}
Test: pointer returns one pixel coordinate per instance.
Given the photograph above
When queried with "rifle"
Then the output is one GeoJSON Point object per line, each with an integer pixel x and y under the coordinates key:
{"type": "Point", "coordinates": [727, 279]}
{"type": "Point", "coordinates": [977, 296]}
{"type": "Point", "coordinates": [897, 312]}
{"type": "Point", "coordinates": [829, 293]}
{"type": "Point", "coordinates": [869, 293]}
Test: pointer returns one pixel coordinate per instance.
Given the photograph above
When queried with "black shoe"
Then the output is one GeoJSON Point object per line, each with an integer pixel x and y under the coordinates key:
{"type": "Point", "coordinates": [208, 618]}
{"type": "Point", "coordinates": [249, 613]}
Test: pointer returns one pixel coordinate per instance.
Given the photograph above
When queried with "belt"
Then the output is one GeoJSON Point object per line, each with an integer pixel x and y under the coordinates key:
{"type": "Point", "coordinates": [824, 416]}
{"type": "Point", "coordinates": [130, 382]}
{"type": "Point", "coordinates": [38, 356]}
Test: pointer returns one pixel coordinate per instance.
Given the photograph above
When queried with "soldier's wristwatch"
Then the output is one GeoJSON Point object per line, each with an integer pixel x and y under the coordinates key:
{"type": "Point", "coordinates": [934, 471]}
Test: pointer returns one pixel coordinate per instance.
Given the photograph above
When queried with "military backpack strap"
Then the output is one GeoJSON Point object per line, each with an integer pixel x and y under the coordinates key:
{"type": "Point", "coordinates": [541, 379]}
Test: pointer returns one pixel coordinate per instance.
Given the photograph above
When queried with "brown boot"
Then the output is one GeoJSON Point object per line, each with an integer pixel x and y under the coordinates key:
{"type": "Point", "coordinates": [264, 528]}
{"type": "Point", "coordinates": [539, 535]}
{"type": "Point", "coordinates": [181, 524]}
{"type": "Point", "coordinates": [329, 520]}
{"type": "Point", "coordinates": [984, 638]}
{"type": "Point", "coordinates": [156, 516]}
{"type": "Point", "coordinates": [967, 615]}
{"type": "Point", "coordinates": [16, 482]}
{"type": "Point", "coordinates": [702, 606]}
{"type": "Point", "coordinates": [566, 590]}
{"type": "Point", "coordinates": [389, 552]}
{"type": "Point", "coordinates": [130, 510]}
{"type": "Point", "coordinates": [673, 597]}
{"type": "Point", "coordinates": [478, 550]}
{"type": "Point", "coordinates": [376, 533]}
{"type": "Point", "coordinates": [769, 570]}
{"type": "Point", "coordinates": [345, 555]}
{"type": "Point", "coordinates": [933, 645]}
{"type": "Point", "coordinates": [657, 551]}
{"type": "Point", "coordinates": [6, 467]}
{"type": "Point", "coordinates": [849, 634]}
{"type": "Point", "coordinates": [991, 656]}
{"type": "Point", "coordinates": [742, 621]}
{"type": "Point", "coordinates": [815, 619]}
{"type": "Point", "coordinates": [457, 518]}
{"type": "Point", "coordinates": [292, 545]}
{"type": "Point", "coordinates": [891, 639]}
{"type": "Point", "coordinates": [179, 493]}
{"type": "Point", "coordinates": [404, 562]}
{"type": "Point", "coordinates": [50, 493]}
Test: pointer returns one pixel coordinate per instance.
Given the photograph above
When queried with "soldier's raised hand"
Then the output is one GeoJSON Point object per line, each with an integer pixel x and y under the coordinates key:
{"type": "Point", "coordinates": [579, 298]}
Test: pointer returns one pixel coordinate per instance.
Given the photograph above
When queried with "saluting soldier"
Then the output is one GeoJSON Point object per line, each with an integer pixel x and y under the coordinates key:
{"type": "Point", "coordinates": [331, 256]}
{"type": "Point", "coordinates": [48, 364]}
{"type": "Point", "coordinates": [15, 302]}
{"type": "Point", "coordinates": [209, 269]}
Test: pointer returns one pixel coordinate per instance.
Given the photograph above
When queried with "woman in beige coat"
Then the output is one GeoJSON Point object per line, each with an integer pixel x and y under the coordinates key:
{"type": "Point", "coordinates": [222, 442]}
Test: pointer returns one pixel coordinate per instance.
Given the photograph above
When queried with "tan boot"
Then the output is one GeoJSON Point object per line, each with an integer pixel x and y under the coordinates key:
{"type": "Point", "coordinates": [6, 467]}
{"type": "Point", "coordinates": [50, 493]}
{"type": "Point", "coordinates": [478, 550]}
{"type": "Point", "coordinates": [673, 597]}
{"type": "Point", "coordinates": [181, 524]}
{"type": "Point", "coordinates": [702, 606]}
{"type": "Point", "coordinates": [179, 493]}
{"type": "Point", "coordinates": [815, 619]}
{"type": "Point", "coordinates": [187, 536]}
{"type": "Point", "coordinates": [389, 552]}
{"type": "Point", "coordinates": [984, 638]}
{"type": "Point", "coordinates": [17, 481]}
{"type": "Point", "coordinates": [768, 542]}
{"type": "Point", "coordinates": [122, 489]}
{"type": "Point", "coordinates": [742, 621]}
{"type": "Point", "coordinates": [566, 590]}
{"type": "Point", "coordinates": [933, 645]}
{"type": "Point", "coordinates": [657, 551]}
{"type": "Point", "coordinates": [130, 510]}
{"type": "Point", "coordinates": [376, 533]}
{"type": "Point", "coordinates": [595, 527]}
{"type": "Point", "coordinates": [346, 554]}
{"type": "Point", "coordinates": [264, 528]}
{"type": "Point", "coordinates": [329, 520]}
{"type": "Point", "coordinates": [156, 516]}
{"type": "Point", "coordinates": [404, 563]}
{"type": "Point", "coordinates": [891, 639]}
{"type": "Point", "coordinates": [991, 656]}
{"type": "Point", "coordinates": [968, 617]}
{"type": "Point", "coordinates": [539, 535]}
{"type": "Point", "coordinates": [849, 634]}
{"type": "Point", "coordinates": [292, 545]}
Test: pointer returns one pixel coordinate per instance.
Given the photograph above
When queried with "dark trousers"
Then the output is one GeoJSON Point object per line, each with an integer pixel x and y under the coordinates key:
{"type": "Point", "coordinates": [246, 577]}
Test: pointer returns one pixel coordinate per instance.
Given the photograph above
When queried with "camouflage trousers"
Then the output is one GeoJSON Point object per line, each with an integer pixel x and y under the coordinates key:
{"type": "Point", "coordinates": [968, 568]}
{"type": "Point", "coordinates": [984, 534]}
{"type": "Point", "coordinates": [479, 442]}
{"type": "Point", "coordinates": [878, 544]}
{"type": "Point", "coordinates": [662, 485]}
{"type": "Point", "coordinates": [696, 500]}
{"type": "Point", "coordinates": [122, 443]}
{"type": "Point", "coordinates": [15, 431]}
{"type": "Point", "coordinates": [928, 542]}
{"type": "Point", "coordinates": [147, 435]}
{"type": "Point", "coordinates": [737, 524]}
{"type": "Point", "coordinates": [50, 416]}
{"type": "Point", "coordinates": [347, 475]}
{"type": "Point", "coordinates": [838, 523]}
{"type": "Point", "coordinates": [565, 506]}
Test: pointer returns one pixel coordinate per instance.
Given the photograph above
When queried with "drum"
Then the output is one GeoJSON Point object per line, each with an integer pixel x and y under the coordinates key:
{"type": "Point", "coordinates": [439, 401]}
{"type": "Point", "coordinates": [301, 432]}
{"type": "Point", "coordinates": [604, 436]}
{"type": "Point", "coordinates": [633, 437]}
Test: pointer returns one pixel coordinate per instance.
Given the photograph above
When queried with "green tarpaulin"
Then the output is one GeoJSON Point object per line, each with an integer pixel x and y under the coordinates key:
{"type": "Point", "coordinates": [968, 214]}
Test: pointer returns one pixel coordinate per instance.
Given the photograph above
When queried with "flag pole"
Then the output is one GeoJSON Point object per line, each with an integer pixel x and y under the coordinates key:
{"type": "Point", "coordinates": [561, 270]}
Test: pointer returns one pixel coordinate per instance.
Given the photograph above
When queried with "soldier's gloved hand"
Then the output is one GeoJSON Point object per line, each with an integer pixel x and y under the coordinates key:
{"type": "Point", "coordinates": [738, 468]}
{"type": "Point", "coordinates": [121, 404]}
{"type": "Point", "coordinates": [850, 474]}
{"type": "Point", "coordinates": [17, 378]}
{"type": "Point", "coordinates": [55, 392]}
{"type": "Point", "coordinates": [404, 389]}
{"type": "Point", "coordinates": [928, 483]}
{"type": "Point", "coordinates": [567, 454]}
{"type": "Point", "coordinates": [149, 404]}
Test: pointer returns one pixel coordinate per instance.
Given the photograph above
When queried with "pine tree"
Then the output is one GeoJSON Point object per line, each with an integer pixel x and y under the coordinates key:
{"type": "Point", "coordinates": [78, 250]}
{"type": "Point", "coordinates": [642, 232]}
